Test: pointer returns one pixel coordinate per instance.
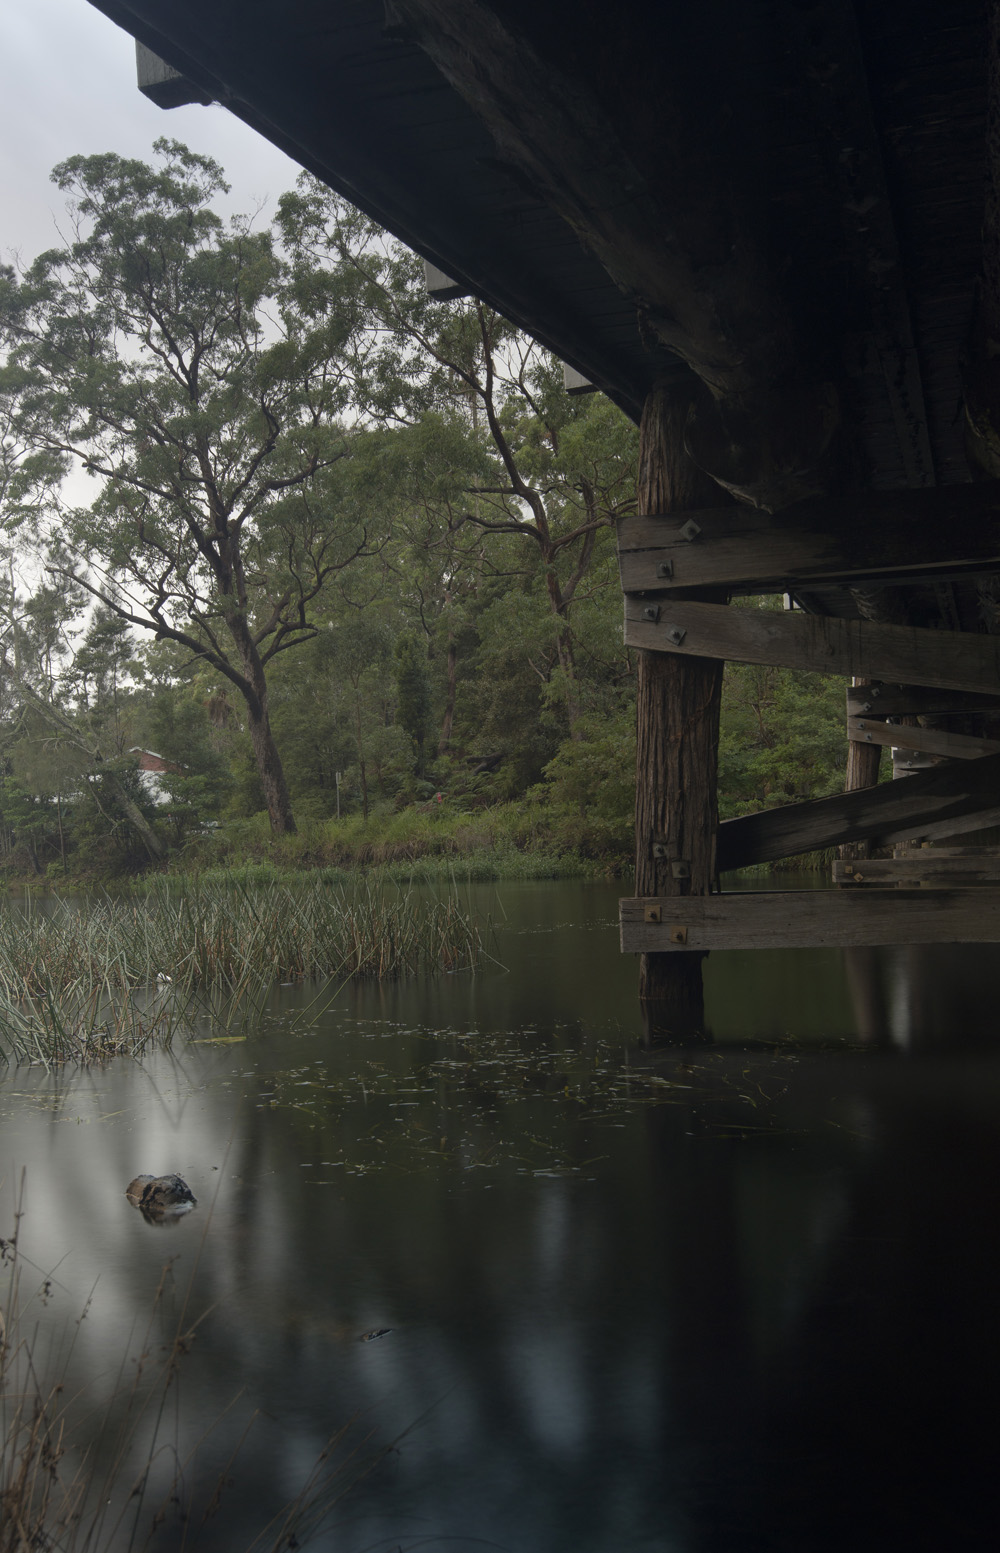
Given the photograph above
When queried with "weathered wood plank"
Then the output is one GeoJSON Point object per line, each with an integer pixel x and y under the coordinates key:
{"type": "Point", "coordinates": [924, 849]}
{"type": "Point", "coordinates": [916, 866]}
{"type": "Point", "coordinates": [809, 919]}
{"type": "Point", "coordinates": [914, 807]}
{"type": "Point", "coordinates": [960, 825]}
{"type": "Point", "coordinates": [871, 536]}
{"type": "Point", "coordinates": [954, 660]}
{"type": "Point", "coordinates": [884, 700]}
{"type": "Point", "coordinates": [929, 741]}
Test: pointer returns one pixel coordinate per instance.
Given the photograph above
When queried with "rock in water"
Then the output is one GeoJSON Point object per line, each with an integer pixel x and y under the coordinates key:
{"type": "Point", "coordinates": [160, 1197]}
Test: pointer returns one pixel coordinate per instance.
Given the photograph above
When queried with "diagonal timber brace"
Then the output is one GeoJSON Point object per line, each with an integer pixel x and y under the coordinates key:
{"type": "Point", "coordinates": [911, 809]}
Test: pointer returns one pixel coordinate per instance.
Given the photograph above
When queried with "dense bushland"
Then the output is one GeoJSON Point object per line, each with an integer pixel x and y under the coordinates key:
{"type": "Point", "coordinates": [341, 556]}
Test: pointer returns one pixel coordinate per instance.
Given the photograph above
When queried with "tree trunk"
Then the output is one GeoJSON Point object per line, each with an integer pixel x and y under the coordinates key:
{"type": "Point", "coordinates": [131, 811]}
{"type": "Point", "coordinates": [678, 703]}
{"type": "Point", "coordinates": [564, 649]}
{"type": "Point", "coordinates": [272, 776]}
{"type": "Point", "coordinates": [362, 769]}
{"type": "Point", "coordinates": [448, 721]}
{"type": "Point", "coordinates": [62, 838]}
{"type": "Point", "coordinates": [269, 767]}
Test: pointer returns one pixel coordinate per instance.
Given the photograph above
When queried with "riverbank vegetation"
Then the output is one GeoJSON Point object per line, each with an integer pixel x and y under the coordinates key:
{"type": "Point", "coordinates": [110, 976]}
{"type": "Point", "coordinates": [307, 570]}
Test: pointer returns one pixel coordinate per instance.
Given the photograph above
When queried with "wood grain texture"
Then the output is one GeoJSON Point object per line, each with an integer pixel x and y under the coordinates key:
{"type": "Point", "coordinates": [953, 660]}
{"type": "Point", "coordinates": [957, 825]}
{"type": "Point", "coordinates": [677, 740]}
{"type": "Point", "coordinates": [918, 866]}
{"type": "Point", "coordinates": [810, 919]}
{"type": "Point", "coordinates": [929, 741]}
{"type": "Point", "coordinates": [886, 700]}
{"type": "Point", "coordinates": [914, 807]}
{"type": "Point", "coordinates": [871, 536]}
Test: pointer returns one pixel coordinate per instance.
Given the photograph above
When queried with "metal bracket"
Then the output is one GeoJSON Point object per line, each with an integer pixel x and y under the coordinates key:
{"type": "Point", "coordinates": [651, 612]}
{"type": "Point", "coordinates": [690, 530]}
{"type": "Point", "coordinates": [653, 914]}
{"type": "Point", "coordinates": [665, 570]}
{"type": "Point", "coordinates": [660, 850]}
{"type": "Point", "coordinates": [678, 933]}
{"type": "Point", "coordinates": [680, 868]}
{"type": "Point", "coordinates": [675, 634]}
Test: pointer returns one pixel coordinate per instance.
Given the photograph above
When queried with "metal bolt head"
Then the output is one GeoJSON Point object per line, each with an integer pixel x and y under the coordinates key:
{"type": "Point", "coordinates": [690, 530]}
{"type": "Point", "coordinates": [651, 612]}
{"type": "Point", "coordinates": [675, 635]}
{"type": "Point", "coordinates": [665, 569]}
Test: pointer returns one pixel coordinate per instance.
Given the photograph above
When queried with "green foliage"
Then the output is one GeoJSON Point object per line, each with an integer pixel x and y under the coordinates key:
{"type": "Point", "coordinates": [413, 695]}
{"type": "Point", "coordinates": [588, 798]}
{"type": "Point", "coordinates": [366, 539]}
{"type": "Point", "coordinates": [782, 737]}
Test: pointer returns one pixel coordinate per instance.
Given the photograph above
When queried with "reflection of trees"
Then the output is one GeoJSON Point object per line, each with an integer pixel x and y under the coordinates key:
{"type": "Point", "coordinates": [751, 1320]}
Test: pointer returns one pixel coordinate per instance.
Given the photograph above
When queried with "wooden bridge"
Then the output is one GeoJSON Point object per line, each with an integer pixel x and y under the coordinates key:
{"type": "Point", "coordinates": [770, 230]}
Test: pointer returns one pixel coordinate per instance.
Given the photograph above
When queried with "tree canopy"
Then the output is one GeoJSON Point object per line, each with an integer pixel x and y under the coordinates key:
{"type": "Point", "coordinates": [328, 546]}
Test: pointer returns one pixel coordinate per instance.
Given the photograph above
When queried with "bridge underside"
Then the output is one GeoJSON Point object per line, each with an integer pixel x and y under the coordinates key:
{"type": "Point", "coordinates": [770, 230]}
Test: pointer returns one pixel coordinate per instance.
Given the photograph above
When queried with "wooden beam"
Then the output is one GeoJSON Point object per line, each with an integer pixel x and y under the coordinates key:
{"type": "Point", "coordinates": [827, 30]}
{"type": "Point", "coordinates": [929, 741]}
{"type": "Point", "coordinates": [910, 808]}
{"type": "Point", "coordinates": [982, 851]}
{"type": "Point", "coordinates": [872, 536]}
{"type": "Point", "coordinates": [918, 866]}
{"type": "Point", "coordinates": [810, 919]}
{"type": "Point", "coordinates": [915, 701]}
{"type": "Point", "coordinates": [960, 825]}
{"type": "Point", "coordinates": [954, 660]}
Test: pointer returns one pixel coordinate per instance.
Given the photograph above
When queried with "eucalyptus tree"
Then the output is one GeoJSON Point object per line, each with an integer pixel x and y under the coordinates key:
{"type": "Point", "coordinates": [62, 731]}
{"type": "Point", "coordinates": [165, 353]}
{"type": "Point", "coordinates": [487, 442]}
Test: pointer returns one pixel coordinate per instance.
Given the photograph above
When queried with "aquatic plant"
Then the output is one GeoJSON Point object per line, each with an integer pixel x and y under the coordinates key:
{"type": "Point", "coordinates": [112, 974]}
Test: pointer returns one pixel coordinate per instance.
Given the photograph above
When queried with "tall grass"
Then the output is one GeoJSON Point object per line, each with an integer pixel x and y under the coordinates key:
{"type": "Point", "coordinates": [78, 981]}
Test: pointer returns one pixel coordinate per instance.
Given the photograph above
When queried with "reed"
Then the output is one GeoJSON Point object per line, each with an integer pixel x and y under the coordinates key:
{"type": "Point", "coordinates": [111, 975]}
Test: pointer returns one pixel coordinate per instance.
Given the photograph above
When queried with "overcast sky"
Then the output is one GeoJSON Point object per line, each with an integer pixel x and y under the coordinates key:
{"type": "Point", "coordinates": [67, 86]}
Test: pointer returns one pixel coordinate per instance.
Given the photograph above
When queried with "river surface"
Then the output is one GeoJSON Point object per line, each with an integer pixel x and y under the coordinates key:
{"type": "Point", "coordinates": [734, 1298]}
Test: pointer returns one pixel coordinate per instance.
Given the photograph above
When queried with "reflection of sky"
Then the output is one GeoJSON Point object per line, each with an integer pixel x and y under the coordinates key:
{"type": "Point", "coordinates": [612, 1326]}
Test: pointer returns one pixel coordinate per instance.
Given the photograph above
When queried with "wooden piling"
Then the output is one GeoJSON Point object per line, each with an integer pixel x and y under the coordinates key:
{"type": "Point", "coordinates": [678, 702]}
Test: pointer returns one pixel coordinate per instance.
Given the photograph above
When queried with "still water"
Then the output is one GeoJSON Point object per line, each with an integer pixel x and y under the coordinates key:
{"type": "Point", "coordinates": [736, 1298]}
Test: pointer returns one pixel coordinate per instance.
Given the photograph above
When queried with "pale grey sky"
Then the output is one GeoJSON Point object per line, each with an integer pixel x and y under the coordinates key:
{"type": "Point", "coordinates": [67, 86]}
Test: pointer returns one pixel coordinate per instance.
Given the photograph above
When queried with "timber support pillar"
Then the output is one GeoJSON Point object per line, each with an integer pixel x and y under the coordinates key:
{"type": "Point", "coordinates": [678, 702]}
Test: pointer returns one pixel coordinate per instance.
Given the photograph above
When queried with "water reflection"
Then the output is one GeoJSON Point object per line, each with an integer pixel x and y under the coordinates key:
{"type": "Point", "coordinates": [716, 1301]}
